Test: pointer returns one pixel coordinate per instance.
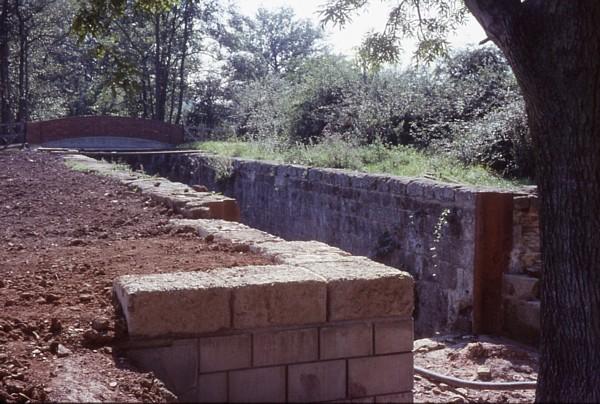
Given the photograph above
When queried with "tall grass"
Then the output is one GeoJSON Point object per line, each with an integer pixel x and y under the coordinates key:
{"type": "Point", "coordinates": [373, 158]}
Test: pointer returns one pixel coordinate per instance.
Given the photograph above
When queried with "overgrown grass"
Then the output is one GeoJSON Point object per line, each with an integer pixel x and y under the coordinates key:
{"type": "Point", "coordinates": [114, 166]}
{"type": "Point", "coordinates": [374, 158]}
{"type": "Point", "coordinates": [77, 166]}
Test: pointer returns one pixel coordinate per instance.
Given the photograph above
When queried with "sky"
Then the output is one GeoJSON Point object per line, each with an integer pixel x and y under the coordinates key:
{"type": "Point", "coordinates": [373, 18]}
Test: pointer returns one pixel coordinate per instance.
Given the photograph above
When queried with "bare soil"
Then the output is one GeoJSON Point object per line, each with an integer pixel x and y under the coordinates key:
{"type": "Point", "coordinates": [470, 358]}
{"type": "Point", "coordinates": [64, 237]}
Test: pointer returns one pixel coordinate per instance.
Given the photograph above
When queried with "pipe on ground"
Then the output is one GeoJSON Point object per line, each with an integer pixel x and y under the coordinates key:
{"type": "Point", "coordinates": [455, 382]}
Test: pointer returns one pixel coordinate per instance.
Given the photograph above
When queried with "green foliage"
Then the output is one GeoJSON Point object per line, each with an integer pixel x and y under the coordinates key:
{"type": "Point", "coordinates": [262, 110]}
{"type": "Point", "coordinates": [468, 107]}
{"type": "Point", "coordinates": [428, 21]}
{"type": "Point", "coordinates": [500, 140]}
{"type": "Point", "coordinates": [335, 152]}
{"type": "Point", "coordinates": [272, 42]}
{"type": "Point", "coordinates": [94, 17]}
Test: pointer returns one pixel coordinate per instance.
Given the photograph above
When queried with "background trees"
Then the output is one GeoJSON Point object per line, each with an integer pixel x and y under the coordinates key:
{"type": "Point", "coordinates": [267, 78]}
{"type": "Point", "coordinates": [469, 106]}
{"type": "Point", "coordinates": [273, 42]}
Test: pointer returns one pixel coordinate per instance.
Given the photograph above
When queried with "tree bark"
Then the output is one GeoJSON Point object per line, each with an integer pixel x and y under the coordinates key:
{"type": "Point", "coordinates": [23, 58]}
{"type": "Point", "coordinates": [159, 82]}
{"type": "Point", "coordinates": [184, 50]}
{"type": "Point", "coordinates": [553, 47]}
{"type": "Point", "coordinates": [5, 113]}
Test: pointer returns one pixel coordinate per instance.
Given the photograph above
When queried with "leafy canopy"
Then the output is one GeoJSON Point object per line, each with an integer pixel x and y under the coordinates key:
{"type": "Point", "coordinates": [428, 21]}
{"type": "Point", "coordinates": [93, 15]}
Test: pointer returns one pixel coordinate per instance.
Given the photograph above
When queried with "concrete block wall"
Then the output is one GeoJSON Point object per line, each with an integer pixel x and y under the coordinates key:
{"type": "Point", "coordinates": [317, 363]}
{"type": "Point", "coordinates": [318, 325]}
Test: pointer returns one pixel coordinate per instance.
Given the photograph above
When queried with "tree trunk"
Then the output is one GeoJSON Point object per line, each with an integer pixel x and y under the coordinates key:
{"type": "Point", "coordinates": [184, 50]}
{"type": "Point", "coordinates": [159, 82]}
{"type": "Point", "coordinates": [4, 64]}
{"type": "Point", "coordinates": [553, 47]}
{"type": "Point", "coordinates": [23, 56]}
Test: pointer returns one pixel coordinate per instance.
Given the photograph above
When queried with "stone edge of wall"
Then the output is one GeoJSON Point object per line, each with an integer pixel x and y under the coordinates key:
{"type": "Point", "coordinates": [182, 199]}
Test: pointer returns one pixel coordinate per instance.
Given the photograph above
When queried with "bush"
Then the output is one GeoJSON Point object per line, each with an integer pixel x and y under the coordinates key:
{"type": "Point", "coordinates": [469, 108]}
{"type": "Point", "coordinates": [499, 140]}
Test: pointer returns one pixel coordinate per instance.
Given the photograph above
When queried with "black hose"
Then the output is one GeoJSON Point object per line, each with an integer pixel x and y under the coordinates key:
{"type": "Point", "coordinates": [453, 381]}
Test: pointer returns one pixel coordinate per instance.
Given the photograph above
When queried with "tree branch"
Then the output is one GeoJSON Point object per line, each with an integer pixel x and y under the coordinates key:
{"type": "Point", "coordinates": [496, 17]}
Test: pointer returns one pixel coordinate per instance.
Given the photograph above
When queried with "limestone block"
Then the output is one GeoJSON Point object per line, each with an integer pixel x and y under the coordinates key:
{"type": "Point", "coordinates": [406, 397]}
{"type": "Point", "coordinates": [380, 375]}
{"type": "Point", "coordinates": [225, 353]}
{"type": "Point", "coordinates": [522, 202]}
{"type": "Point", "coordinates": [359, 288]}
{"type": "Point", "coordinates": [196, 212]}
{"type": "Point", "coordinates": [282, 347]}
{"type": "Point", "coordinates": [415, 189]}
{"type": "Point", "coordinates": [175, 364]}
{"type": "Point", "coordinates": [466, 196]}
{"type": "Point", "coordinates": [212, 388]}
{"type": "Point", "coordinates": [397, 186]}
{"type": "Point", "coordinates": [346, 340]}
{"type": "Point", "coordinates": [299, 252]}
{"type": "Point", "coordinates": [520, 287]}
{"type": "Point", "coordinates": [317, 381]}
{"type": "Point", "coordinates": [235, 232]}
{"type": "Point", "coordinates": [393, 336]}
{"type": "Point", "coordinates": [262, 385]}
{"type": "Point", "coordinates": [522, 319]}
{"type": "Point", "coordinates": [365, 181]}
{"type": "Point", "coordinates": [444, 193]}
{"type": "Point", "coordinates": [174, 303]}
{"type": "Point", "coordinates": [275, 295]}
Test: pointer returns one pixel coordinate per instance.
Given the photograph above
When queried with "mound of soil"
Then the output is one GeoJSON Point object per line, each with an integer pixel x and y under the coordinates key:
{"type": "Point", "coordinates": [64, 237]}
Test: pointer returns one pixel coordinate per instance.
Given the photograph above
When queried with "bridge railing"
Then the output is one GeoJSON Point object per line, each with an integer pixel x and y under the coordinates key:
{"type": "Point", "coordinates": [13, 132]}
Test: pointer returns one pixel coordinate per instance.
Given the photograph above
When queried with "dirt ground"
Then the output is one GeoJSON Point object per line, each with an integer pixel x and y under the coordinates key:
{"type": "Point", "coordinates": [475, 358]}
{"type": "Point", "coordinates": [64, 237]}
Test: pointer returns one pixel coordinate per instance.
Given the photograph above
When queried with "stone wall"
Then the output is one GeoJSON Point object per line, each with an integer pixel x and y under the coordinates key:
{"type": "Point", "coordinates": [318, 325]}
{"type": "Point", "coordinates": [427, 227]}
{"type": "Point", "coordinates": [521, 282]}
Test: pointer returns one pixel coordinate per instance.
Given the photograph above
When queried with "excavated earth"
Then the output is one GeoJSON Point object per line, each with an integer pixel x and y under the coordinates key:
{"type": "Point", "coordinates": [64, 237]}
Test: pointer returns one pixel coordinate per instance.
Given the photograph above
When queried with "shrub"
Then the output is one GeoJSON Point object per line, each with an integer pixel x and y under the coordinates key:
{"type": "Point", "coordinates": [499, 140]}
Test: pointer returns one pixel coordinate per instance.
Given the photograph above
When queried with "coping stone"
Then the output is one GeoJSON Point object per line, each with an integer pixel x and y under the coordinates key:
{"type": "Point", "coordinates": [359, 288]}
{"type": "Point", "coordinates": [265, 296]}
{"type": "Point", "coordinates": [195, 303]}
{"type": "Point", "coordinates": [173, 303]}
